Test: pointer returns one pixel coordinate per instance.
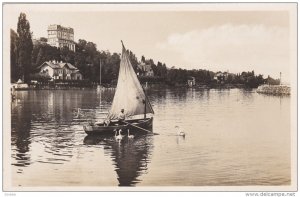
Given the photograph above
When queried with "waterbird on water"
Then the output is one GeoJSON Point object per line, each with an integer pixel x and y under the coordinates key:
{"type": "Point", "coordinates": [179, 131]}
{"type": "Point", "coordinates": [119, 136]}
{"type": "Point", "coordinates": [78, 114]}
{"type": "Point", "coordinates": [130, 136]}
{"type": "Point", "coordinates": [120, 130]}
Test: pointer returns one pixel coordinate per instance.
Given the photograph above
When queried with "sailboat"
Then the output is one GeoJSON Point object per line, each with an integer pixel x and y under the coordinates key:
{"type": "Point", "coordinates": [129, 96]}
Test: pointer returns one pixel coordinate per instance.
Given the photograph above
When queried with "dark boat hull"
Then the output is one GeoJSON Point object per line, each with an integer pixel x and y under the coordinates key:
{"type": "Point", "coordinates": [135, 126]}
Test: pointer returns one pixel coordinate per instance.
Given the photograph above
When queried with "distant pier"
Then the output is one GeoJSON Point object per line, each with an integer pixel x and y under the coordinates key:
{"type": "Point", "coordinates": [274, 89]}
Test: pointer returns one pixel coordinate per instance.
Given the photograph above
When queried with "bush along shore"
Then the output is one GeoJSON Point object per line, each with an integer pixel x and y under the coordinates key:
{"type": "Point", "coordinates": [274, 89]}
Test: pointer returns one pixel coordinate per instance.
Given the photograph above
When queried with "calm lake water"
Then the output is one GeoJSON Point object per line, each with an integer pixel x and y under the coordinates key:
{"type": "Point", "coordinates": [233, 138]}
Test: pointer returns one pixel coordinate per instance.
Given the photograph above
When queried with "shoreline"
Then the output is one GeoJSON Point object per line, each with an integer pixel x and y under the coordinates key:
{"type": "Point", "coordinates": [148, 86]}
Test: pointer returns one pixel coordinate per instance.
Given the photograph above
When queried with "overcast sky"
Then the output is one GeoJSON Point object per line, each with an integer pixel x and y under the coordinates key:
{"type": "Point", "coordinates": [197, 38]}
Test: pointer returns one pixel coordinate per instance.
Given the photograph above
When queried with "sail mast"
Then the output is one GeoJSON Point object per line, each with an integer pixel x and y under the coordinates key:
{"type": "Point", "coordinates": [147, 100]}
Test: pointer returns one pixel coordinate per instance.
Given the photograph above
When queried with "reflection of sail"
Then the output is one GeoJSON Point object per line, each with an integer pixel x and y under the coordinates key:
{"type": "Point", "coordinates": [131, 157]}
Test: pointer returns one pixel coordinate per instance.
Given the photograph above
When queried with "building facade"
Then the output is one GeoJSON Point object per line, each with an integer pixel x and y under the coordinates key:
{"type": "Point", "coordinates": [60, 70]}
{"type": "Point", "coordinates": [145, 70]}
{"type": "Point", "coordinates": [221, 77]}
{"type": "Point", "coordinates": [59, 36]}
{"type": "Point", "coordinates": [191, 81]}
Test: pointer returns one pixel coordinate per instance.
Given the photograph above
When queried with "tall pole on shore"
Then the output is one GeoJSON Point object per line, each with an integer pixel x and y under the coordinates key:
{"type": "Point", "coordinates": [100, 73]}
{"type": "Point", "coordinates": [100, 81]}
{"type": "Point", "coordinates": [280, 79]}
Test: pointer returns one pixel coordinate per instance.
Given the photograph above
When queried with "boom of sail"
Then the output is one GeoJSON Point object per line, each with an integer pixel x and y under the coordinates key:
{"type": "Point", "coordinates": [129, 94]}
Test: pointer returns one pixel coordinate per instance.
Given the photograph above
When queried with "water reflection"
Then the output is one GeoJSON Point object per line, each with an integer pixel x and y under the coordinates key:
{"type": "Point", "coordinates": [21, 125]}
{"type": "Point", "coordinates": [131, 156]}
{"type": "Point", "coordinates": [43, 119]}
{"type": "Point", "coordinates": [180, 139]}
{"type": "Point", "coordinates": [280, 98]}
{"type": "Point", "coordinates": [178, 93]}
{"type": "Point", "coordinates": [158, 95]}
{"type": "Point", "coordinates": [48, 140]}
{"type": "Point", "coordinates": [247, 94]}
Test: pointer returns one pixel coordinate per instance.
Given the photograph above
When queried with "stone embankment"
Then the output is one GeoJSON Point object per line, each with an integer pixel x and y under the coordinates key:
{"type": "Point", "coordinates": [274, 89]}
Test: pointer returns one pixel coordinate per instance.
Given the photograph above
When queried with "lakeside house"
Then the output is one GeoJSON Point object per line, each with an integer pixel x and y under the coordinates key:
{"type": "Point", "coordinates": [221, 77]}
{"type": "Point", "coordinates": [60, 70]}
{"type": "Point", "coordinates": [191, 81]}
{"type": "Point", "coordinates": [145, 70]}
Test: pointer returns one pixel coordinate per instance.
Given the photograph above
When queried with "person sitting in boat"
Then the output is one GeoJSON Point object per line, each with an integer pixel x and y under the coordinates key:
{"type": "Point", "coordinates": [121, 117]}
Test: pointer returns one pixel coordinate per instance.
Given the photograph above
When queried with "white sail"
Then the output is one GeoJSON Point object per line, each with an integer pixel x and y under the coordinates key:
{"type": "Point", "coordinates": [129, 93]}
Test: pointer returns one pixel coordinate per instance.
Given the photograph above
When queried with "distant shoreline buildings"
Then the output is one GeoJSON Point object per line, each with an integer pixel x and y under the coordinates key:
{"type": "Point", "coordinates": [145, 70]}
{"type": "Point", "coordinates": [59, 36]}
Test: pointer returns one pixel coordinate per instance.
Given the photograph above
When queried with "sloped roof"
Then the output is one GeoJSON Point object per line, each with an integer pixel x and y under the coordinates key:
{"type": "Point", "coordinates": [145, 67]}
{"type": "Point", "coordinates": [58, 65]}
{"type": "Point", "coordinates": [71, 66]}
{"type": "Point", "coordinates": [61, 65]}
{"type": "Point", "coordinates": [51, 64]}
{"type": "Point", "coordinates": [219, 74]}
{"type": "Point", "coordinates": [77, 71]}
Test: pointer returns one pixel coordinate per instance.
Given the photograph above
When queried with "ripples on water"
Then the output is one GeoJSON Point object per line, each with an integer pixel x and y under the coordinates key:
{"type": "Point", "coordinates": [233, 137]}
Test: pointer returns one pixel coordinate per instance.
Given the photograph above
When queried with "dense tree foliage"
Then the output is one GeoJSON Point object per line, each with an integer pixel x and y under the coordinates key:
{"type": "Point", "coordinates": [42, 53]}
{"type": "Point", "coordinates": [14, 70]}
{"type": "Point", "coordinates": [272, 81]}
{"type": "Point", "coordinates": [249, 79]}
{"type": "Point", "coordinates": [24, 47]}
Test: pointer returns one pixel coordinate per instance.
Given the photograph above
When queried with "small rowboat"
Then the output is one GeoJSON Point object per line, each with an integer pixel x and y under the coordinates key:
{"type": "Point", "coordinates": [137, 125]}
